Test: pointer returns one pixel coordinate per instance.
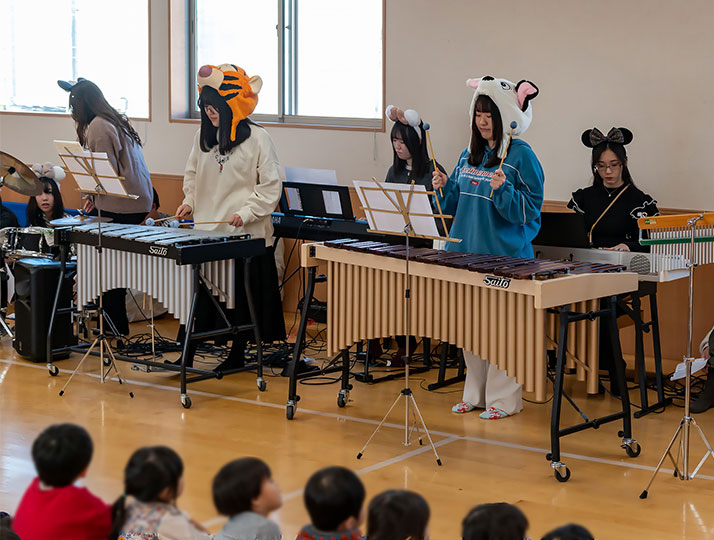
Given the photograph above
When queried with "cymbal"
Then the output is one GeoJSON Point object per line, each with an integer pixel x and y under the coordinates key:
{"type": "Point", "coordinates": [24, 181]}
{"type": "Point", "coordinates": [77, 220]}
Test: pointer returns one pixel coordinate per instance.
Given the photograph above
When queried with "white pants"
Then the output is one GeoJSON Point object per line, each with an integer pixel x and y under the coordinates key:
{"type": "Point", "coordinates": [487, 386]}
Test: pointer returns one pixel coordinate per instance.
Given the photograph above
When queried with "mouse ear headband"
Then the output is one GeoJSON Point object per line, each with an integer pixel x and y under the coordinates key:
{"type": "Point", "coordinates": [409, 117]}
{"type": "Point", "coordinates": [592, 137]}
{"type": "Point", "coordinates": [48, 170]}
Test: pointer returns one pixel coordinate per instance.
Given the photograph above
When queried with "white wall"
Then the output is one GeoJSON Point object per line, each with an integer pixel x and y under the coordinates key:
{"type": "Point", "coordinates": [643, 64]}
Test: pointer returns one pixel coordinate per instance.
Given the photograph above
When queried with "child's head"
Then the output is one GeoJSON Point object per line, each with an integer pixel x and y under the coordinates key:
{"type": "Point", "coordinates": [62, 453]}
{"type": "Point", "coordinates": [398, 514]}
{"type": "Point", "coordinates": [572, 531]}
{"type": "Point", "coordinates": [494, 520]}
{"type": "Point", "coordinates": [154, 473]}
{"type": "Point", "coordinates": [334, 497]}
{"type": "Point", "coordinates": [244, 485]}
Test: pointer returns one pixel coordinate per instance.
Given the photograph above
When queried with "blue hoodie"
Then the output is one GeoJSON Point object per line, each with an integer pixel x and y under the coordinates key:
{"type": "Point", "coordinates": [505, 224]}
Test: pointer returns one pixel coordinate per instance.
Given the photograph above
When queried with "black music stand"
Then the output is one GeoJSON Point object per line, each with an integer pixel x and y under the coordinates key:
{"type": "Point", "coordinates": [384, 205]}
{"type": "Point", "coordinates": [94, 175]}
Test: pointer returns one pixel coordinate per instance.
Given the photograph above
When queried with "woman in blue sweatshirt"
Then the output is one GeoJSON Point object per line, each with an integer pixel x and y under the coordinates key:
{"type": "Point", "coordinates": [496, 211]}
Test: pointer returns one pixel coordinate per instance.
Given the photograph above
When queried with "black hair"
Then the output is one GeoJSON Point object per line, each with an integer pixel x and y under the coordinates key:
{"type": "Point", "coordinates": [86, 101]}
{"type": "Point", "coordinates": [416, 147]}
{"type": "Point", "coordinates": [332, 495]}
{"type": "Point", "coordinates": [148, 473]}
{"type": "Point", "coordinates": [35, 216]}
{"type": "Point", "coordinates": [477, 150]}
{"type": "Point", "coordinates": [397, 514]}
{"type": "Point", "coordinates": [210, 135]}
{"type": "Point", "coordinates": [60, 453]}
{"type": "Point", "coordinates": [156, 198]}
{"type": "Point", "coordinates": [620, 152]}
{"type": "Point", "coordinates": [494, 521]}
{"type": "Point", "coordinates": [238, 483]}
{"type": "Point", "coordinates": [571, 531]}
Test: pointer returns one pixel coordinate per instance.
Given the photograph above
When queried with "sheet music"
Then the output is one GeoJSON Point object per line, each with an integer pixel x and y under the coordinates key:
{"type": "Point", "coordinates": [311, 176]}
{"type": "Point", "coordinates": [380, 207]}
{"type": "Point", "coordinates": [332, 202]}
{"type": "Point", "coordinates": [78, 161]}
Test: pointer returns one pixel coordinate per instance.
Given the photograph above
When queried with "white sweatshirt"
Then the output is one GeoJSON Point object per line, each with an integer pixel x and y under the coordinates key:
{"type": "Point", "coordinates": [246, 181]}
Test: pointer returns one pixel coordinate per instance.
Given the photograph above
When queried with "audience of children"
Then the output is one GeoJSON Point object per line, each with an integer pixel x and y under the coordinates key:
{"type": "Point", "coordinates": [334, 498]}
{"type": "Point", "coordinates": [53, 506]}
{"type": "Point", "coordinates": [153, 480]}
{"type": "Point", "coordinates": [243, 490]}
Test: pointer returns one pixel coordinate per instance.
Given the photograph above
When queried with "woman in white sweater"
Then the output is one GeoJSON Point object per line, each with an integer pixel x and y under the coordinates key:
{"type": "Point", "coordinates": [233, 174]}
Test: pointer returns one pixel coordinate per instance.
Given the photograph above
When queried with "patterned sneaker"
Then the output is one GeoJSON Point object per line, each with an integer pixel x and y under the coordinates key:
{"type": "Point", "coordinates": [492, 413]}
{"type": "Point", "coordinates": [462, 407]}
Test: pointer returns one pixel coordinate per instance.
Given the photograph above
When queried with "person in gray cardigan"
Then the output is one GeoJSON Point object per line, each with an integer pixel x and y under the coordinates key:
{"type": "Point", "coordinates": [244, 490]}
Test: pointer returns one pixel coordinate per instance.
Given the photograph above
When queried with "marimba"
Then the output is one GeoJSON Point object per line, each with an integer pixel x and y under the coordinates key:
{"type": "Point", "coordinates": [496, 307]}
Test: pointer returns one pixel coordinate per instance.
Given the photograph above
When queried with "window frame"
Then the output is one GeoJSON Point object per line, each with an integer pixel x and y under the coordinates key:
{"type": "Point", "coordinates": [283, 118]}
{"type": "Point", "coordinates": [39, 114]}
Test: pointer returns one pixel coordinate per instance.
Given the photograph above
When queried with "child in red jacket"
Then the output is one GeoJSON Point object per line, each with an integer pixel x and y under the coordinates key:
{"type": "Point", "coordinates": [53, 507]}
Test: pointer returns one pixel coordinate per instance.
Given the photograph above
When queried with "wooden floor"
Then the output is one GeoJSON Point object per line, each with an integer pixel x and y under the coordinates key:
{"type": "Point", "coordinates": [483, 461]}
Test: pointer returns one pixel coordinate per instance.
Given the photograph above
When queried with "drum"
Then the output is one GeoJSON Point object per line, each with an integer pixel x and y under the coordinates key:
{"type": "Point", "coordinates": [28, 243]}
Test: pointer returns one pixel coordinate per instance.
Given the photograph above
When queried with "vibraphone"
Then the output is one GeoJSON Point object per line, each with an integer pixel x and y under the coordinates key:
{"type": "Point", "coordinates": [496, 307]}
{"type": "Point", "coordinates": [651, 269]}
{"type": "Point", "coordinates": [172, 265]}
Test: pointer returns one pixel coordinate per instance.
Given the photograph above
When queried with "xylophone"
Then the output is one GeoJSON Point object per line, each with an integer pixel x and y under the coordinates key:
{"type": "Point", "coordinates": [172, 265]}
{"type": "Point", "coordinates": [496, 307]}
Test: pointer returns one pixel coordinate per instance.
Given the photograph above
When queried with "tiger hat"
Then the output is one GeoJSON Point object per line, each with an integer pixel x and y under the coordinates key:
{"type": "Point", "coordinates": [233, 85]}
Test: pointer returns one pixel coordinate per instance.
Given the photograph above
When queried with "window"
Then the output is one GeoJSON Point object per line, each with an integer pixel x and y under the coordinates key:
{"type": "Point", "coordinates": [320, 60]}
{"type": "Point", "coordinates": [47, 40]}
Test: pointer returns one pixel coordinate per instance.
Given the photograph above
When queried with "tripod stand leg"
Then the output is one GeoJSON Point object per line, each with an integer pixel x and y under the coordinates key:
{"type": "Point", "coordinates": [709, 452]}
{"type": "Point", "coordinates": [91, 348]}
{"type": "Point", "coordinates": [361, 452]}
{"type": "Point", "coordinates": [428, 436]}
{"type": "Point", "coordinates": [667, 452]}
{"type": "Point", "coordinates": [113, 364]}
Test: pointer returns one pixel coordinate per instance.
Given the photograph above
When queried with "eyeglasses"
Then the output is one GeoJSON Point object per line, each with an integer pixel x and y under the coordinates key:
{"type": "Point", "coordinates": [602, 167]}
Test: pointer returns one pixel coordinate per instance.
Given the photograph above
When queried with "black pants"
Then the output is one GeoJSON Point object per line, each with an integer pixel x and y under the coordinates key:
{"type": "Point", "coordinates": [114, 301]}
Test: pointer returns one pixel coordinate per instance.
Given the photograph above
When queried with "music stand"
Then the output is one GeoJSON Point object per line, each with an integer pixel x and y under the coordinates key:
{"type": "Point", "coordinates": [402, 210]}
{"type": "Point", "coordinates": [94, 175]}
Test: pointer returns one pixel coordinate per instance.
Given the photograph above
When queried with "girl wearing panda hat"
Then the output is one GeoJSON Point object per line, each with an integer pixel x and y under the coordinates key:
{"type": "Point", "coordinates": [43, 208]}
{"type": "Point", "coordinates": [496, 211]}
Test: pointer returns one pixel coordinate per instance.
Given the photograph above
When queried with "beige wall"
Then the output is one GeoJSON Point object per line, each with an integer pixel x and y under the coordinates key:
{"type": "Point", "coordinates": [644, 64]}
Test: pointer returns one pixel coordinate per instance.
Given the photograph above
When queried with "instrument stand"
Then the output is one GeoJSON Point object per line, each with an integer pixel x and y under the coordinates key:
{"type": "Point", "coordinates": [411, 409]}
{"type": "Point", "coordinates": [682, 433]}
{"type": "Point", "coordinates": [101, 340]}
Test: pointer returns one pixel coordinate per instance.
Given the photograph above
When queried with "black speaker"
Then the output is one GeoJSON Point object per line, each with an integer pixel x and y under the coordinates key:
{"type": "Point", "coordinates": [35, 288]}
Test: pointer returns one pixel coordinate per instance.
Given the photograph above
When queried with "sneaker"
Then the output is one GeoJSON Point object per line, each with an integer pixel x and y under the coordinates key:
{"type": "Point", "coordinates": [492, 413]}
{"type": "Point", "coordinates": [463, 407]}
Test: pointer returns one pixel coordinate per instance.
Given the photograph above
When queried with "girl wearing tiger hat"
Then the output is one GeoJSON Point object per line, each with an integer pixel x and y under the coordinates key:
{"type": "Point", "coordinates": [233, 174]}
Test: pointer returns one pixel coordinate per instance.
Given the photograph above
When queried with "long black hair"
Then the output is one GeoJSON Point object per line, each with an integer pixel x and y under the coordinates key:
{"type": "Point", "coordinates": [416, 147]}
{"type": "Point", "coordinates": [210, 135]}
{"type": "Point", "coordinates": [485, 104]}
{"type": "Point", "coordinates": [150, 471]}
{"type": "Point", "coordinates": [621, 154]}
{"type": "Point", "coordinates": [397, 514]}
{"type": "Point", "coordinates": [35, 216]}
{"type": "Point", "coordinates": [86, 101]}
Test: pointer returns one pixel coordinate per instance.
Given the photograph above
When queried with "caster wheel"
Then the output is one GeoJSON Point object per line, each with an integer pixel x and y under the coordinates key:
{"type": "Point", "coordinates": [186, 402]}
{"type": "Point", "coordinates": [290, 412]}
{"type": "Point", "coordinates": [262, 385]}
{"type": "Point", "coordinates": [633, 452]}
{"type": "Point", "coordinates": [341, 400]}
{"type": "Point", "coordinates": [620, 433]}
{"type": "Point", "coordinates": [54, 370]}
{"type": "Point", "coordinates": [561, 478]}
{"type": "Point", "coordinates": [549, 457]}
